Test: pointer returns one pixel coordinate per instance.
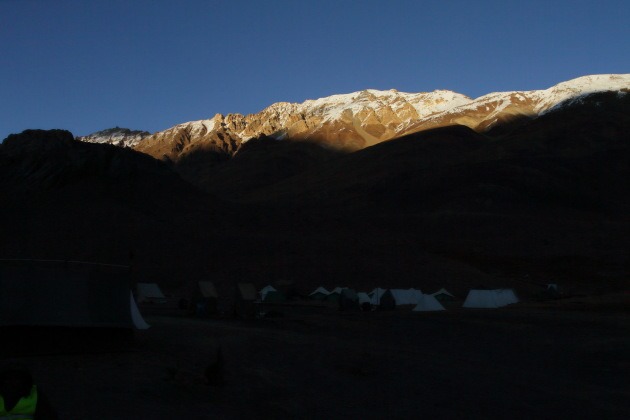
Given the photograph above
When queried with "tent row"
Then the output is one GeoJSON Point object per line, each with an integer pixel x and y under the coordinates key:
{"type": "Point", "coordinates": [380, 298]}
{"type": "Point", "coordinates": [496, 298]}
{"type": "Point", "coordinates": [391, 298]}
{"type": "Point", "coordinates": [204, 298]}
{"type": "Point", "coordinates": [348, 298]}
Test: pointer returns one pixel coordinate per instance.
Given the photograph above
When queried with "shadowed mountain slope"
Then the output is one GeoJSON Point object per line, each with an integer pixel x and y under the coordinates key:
{"type": "Point", "coordinates": [455, 161]}
{"type": "Point", "coordinates": [545, 198]}
{"type": "Point", "coordinates": [350, 122]}
{"type": "Point", "coordinates": [68, 200]}
{"type": "Point", "coordinates": [526, 203]}
{"type": "Point", "coordinates": [258, 163]}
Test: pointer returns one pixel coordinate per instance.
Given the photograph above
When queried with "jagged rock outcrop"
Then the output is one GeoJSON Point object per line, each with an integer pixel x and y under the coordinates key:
{"type": "Point", "coordinates": [213, 138]}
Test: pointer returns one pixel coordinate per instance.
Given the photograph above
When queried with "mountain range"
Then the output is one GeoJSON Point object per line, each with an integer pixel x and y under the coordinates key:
{"type": "Point", "coordinates": [373, 188]}
{"type": "Point", "coordinates": [347, 122]}
{"type": "Point", "coordinates": [360, 119]}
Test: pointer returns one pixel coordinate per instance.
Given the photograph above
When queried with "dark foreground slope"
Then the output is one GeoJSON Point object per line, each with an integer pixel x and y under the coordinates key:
{"type": "Point", "coordinates": [510, 363]}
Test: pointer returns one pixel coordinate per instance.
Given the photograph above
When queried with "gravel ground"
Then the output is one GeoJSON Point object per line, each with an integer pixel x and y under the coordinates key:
{"type": "Point", "coordinates": [525, 361]}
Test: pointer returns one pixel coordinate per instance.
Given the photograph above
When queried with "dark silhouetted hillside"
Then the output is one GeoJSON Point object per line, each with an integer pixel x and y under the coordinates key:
{"type": "Point", "coordinates": [530, 202]}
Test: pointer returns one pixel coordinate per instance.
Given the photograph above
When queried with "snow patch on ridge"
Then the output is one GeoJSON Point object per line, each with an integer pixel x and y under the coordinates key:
{"type": "Point", "coordinates": [573, 89]}
{"type": "Point", "coordinates": [333, 107]}
{"type": "Point", "coordinates": [122, 137]}
{"type": "Point", "coordinates": [201, 126]}
{"type": "Point", "coordinates": [536, 102]}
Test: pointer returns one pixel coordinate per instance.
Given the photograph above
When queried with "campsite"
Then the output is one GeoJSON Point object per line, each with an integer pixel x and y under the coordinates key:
{"type": "Point", "coordinates": [130, 351]}
{"type": "Point", "coordinates": [565, 358]}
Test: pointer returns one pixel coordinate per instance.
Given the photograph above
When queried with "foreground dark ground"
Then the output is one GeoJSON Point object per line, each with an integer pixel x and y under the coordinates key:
{"type": "Point", "coordinates": [556, 360]}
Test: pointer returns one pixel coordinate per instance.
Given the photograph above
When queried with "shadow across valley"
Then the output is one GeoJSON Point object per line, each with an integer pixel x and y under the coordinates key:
{"type": "Point", "coordinates": [258, 163]}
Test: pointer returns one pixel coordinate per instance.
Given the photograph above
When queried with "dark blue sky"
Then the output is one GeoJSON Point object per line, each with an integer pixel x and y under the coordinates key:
{"type": "Point", "coordinates": [150, 64]}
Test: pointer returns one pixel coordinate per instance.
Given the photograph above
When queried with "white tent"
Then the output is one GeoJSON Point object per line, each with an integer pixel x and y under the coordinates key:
{"type": "Point", "coordinates": [246, 292]}
{"type": "Point", "coordinates": [320, 294]}
{"type": "Point", "coordinates": [149, 292]}
{"type": "Point", "coordinates": [481, 299]}
{"type": "Point", "coordinates": [265, 290]}
{"type": "Point", "coordinates": [136, 316]}
{"type": "Point", "coordinates": [363, 298]}
{"type": "Point", "coordinates": [428, 303]}
{"type": "Point", "coordinates": [207, 289]}
{"type": "Point", "coordinates": [406, 296]}
{"type": "Point", "coordinates": [506, 297]}
{"type": "Point", "coordinates": [416, 293]}
{"type": "Point", "coordinates": [348, 299]}
{"type": "Point", "coordinates": [490, 298]}
{"type": "Point", "coordinates": [375, 295]}
{"type": "Point", "coordinates": [320, 290]}
{"type": "Point", "coordinates": [442, 291]}
{"type": "Point", "coordinates": [335, 294]}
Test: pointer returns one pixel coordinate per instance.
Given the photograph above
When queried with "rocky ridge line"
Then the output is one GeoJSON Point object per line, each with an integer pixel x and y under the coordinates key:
{"type": "Point", "coordinates": [357, 120]}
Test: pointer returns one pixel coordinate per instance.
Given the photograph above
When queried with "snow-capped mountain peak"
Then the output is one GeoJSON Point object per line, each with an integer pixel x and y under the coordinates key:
{"type": "Point", "coordinates": [572, 89]}
{"type": "Point", "coordinates": [117, 136]}
{"type": "Point", "coordinates": [401, 103]}
{"type": "Point", "coordinates": [359, 119]}
{"type": "Point", "coordinates": [494, 108]}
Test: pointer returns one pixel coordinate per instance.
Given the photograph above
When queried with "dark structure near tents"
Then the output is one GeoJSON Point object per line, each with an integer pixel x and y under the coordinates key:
{"type": "Point", "coordinates": [69, 304]}
{"type": "Point", "coordinates": [349, 300]}
{"type": "Point", "coordinates": [275, 297]}
{"type": "Point", "coordinates": [245, 300]}
{"type": "Point", "coordinates": [204, 299]}
{"type": "Point", "coordinates": [272, 295]}
{"type": "Point", "coordinates": [334, 295]}
{"type": "Point", "coordinates": [286, 291]}
{"type": "Point", "coordinates": [444, 295]}
{"type": "Point", "coordinates": [319, 294]}
{"type": "Point", "coordinates": [387, 301]}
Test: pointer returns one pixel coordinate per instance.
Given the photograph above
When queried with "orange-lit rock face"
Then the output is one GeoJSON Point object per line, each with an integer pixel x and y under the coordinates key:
{"type": "Point", "coordinates": [349, 122]}
{"type": "Point", "coordinates": [357, 120]}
